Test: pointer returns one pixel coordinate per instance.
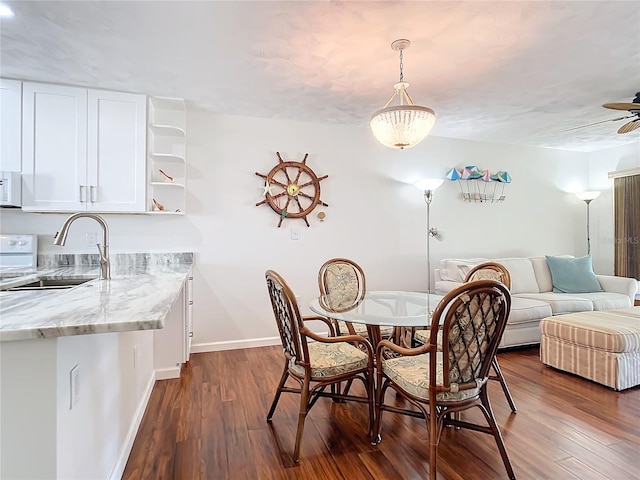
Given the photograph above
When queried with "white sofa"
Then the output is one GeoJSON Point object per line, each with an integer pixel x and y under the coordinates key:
{"type": "Point", "coordinates": [532, 296]}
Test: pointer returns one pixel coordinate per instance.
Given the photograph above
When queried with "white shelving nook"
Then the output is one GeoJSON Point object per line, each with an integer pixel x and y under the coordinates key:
{"type": "Point", "coordinates": [167, 162]}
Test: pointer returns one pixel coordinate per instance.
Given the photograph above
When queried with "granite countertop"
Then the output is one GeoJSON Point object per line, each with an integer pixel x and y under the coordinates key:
{"type": "Point", "coordinates": [137, 297]}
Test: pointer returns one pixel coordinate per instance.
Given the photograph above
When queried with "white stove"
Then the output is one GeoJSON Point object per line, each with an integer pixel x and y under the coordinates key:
{"type": "Point", "coordinates": [18, 254]}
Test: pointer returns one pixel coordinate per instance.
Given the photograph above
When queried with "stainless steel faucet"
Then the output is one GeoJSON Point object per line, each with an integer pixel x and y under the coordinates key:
{"type": "Point", "coordinates": [61, 237]}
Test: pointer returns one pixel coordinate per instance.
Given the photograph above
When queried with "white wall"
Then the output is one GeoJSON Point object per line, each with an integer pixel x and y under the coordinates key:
{"type": "Point", "coordinates": [375, 215]}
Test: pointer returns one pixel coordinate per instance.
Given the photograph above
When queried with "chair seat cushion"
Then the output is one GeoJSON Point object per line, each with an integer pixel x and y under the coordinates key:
{"type": "Point", "coordinates": [412, 375]}
{"type": "Point", "coordinates": [422, 336]}
{"type": "Point", "coordinates": [361, 329]}
{"type": "Point", "coordinates": [332, 359]}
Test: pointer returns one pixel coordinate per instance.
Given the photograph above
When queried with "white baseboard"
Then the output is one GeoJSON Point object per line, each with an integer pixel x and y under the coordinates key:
{"type": "Point", "coordinates": [166, 373]}
{"type": "Point", "coordinates": [234, 345]}
{"type": "Point", "coordinates": [118, 470]}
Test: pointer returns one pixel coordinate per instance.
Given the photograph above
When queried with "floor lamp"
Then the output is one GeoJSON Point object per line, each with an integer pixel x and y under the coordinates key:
{"type": "Point", "coordinates": [587, 197]}
{"type": "Point", "coordinates": [428, 185]}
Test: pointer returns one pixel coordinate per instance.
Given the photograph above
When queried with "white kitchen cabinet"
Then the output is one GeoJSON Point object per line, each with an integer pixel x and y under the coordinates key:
{"type": "Point", "coordinates": [82, 149]}
{"type": "Point", "coordinates": [10, 125]}
{"type": "Point", "coordinates": [188, 316]}
{"type": "Point", "coordinates": [167, 168]}
{"type": "Point", "coordinates": [172, 343]}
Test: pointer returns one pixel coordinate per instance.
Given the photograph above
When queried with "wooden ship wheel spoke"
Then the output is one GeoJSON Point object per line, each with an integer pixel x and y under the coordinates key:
{"type": "Point", "coordinates": [303, 190]}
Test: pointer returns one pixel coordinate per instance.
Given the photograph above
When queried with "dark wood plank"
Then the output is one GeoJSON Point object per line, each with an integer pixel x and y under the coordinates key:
{"type": "Point", "coordinates": [211, 424]}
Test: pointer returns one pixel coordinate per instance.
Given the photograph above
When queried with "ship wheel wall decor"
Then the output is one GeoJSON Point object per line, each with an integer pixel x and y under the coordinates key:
{"type": "Point", "coordinates": [292, 189]}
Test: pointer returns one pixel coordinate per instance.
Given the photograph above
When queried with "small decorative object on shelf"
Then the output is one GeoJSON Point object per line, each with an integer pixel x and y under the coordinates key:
{"type": "Point", "coordinates": [157, 205]}
{"type": "Point", "coordinates": [480, 186]}
{"type": "Point", "coordinates": [165, 177]}
{"type": "Point", "coordinates": [297, 189]}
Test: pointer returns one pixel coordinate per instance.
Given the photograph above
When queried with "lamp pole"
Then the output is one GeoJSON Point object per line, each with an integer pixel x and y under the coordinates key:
{"type": "Point", "coordinates": [428, 185]}
{"type": "Point", "coordinates": [588, 201]}
{"type": "Point", "coordinates": [587, 197]}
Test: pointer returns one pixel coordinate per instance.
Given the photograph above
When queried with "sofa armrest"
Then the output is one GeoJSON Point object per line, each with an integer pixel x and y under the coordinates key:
{"type": "Point", "coordinates": [443, 287]}
{"type": "Point", "coordinates": [623, 285]}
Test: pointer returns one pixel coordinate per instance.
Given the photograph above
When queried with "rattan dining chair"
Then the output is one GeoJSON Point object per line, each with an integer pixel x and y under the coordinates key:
{"type": "Point", "coordinates": [440, 382]}
{"type": "Point", "coordinates": [485, 271]}
{"type": "Point", "coordinates": [314, 361]}
{"type": "Point", "coordinates": [498, 272]}
{"type": "Point", "coordinates": [345, 281]}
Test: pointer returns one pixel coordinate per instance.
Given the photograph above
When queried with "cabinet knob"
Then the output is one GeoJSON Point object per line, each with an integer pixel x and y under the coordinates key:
{"type": "Point", "coordinates": [190, 302]}
{"type": "Point", "coordinates": [190, 334]}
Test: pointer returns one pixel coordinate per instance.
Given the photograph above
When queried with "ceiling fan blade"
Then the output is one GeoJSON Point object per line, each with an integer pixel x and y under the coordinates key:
{"type": "Point", "coordinates": [629, 126]}
{"type": "Point", "coordinates": [622, 106]}
{"type": "Point", "coordinates": [603, 121]}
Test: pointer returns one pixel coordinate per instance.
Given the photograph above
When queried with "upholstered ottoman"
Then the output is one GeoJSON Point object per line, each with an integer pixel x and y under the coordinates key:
{"type": "Point", "coordinates": [603, 346]}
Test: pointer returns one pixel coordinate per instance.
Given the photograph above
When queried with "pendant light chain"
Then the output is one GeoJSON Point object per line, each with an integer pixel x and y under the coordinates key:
{"type": "Point", "coordinates": [401, 74]}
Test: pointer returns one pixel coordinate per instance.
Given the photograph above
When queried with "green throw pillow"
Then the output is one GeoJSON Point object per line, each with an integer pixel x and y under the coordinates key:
{"type": "Point", "coordinates": [573, 275]}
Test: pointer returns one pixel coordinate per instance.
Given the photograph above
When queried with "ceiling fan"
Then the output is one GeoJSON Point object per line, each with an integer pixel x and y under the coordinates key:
{"type": "Point", "coordinates": [633, 108]}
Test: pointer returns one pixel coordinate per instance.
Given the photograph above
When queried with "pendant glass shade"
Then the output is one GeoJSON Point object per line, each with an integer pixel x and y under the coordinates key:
{"type": "Point", "coordinates": [403, 125]}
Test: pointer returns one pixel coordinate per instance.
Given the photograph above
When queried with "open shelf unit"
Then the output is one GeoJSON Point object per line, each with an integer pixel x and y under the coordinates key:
{"type": "Point", "coordinates": [167, 154]}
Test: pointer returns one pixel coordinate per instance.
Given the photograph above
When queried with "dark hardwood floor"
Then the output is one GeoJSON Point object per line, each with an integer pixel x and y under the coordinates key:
{"type": "Point", "coordinates": [211, 424]}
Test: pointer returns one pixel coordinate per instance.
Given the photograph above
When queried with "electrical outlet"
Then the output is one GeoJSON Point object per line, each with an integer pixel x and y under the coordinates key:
{"type": "Point", "coordinates": [74, 381]}
{"type": "Point", "coordinates": [295, 234]}
{"type": "Point", "coordinates": [91, 239]}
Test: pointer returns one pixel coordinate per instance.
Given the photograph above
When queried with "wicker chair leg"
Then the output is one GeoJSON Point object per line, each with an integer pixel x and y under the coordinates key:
{"type": "Point", "coordinates": [503, 383]}
{"type": "Point", "coordinates": [371, 401]}
{"type": "Point", "coordinates": [377, 438]}
{"type": "Point", "coordinates": [495, 430]}
{"type": "Point", "coordinates": [304, 405]}
{"type": "Point", "coordinates": [433, 444]}
{"type": "Point", "coordinates": [276, 398]}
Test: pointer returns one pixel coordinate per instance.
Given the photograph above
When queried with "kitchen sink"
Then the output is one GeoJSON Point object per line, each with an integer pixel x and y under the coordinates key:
{"type": "Point", "coordinates": [51, 284]}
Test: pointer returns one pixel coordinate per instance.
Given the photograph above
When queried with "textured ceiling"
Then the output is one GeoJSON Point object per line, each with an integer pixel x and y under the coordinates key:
{"type": "Point", "coordinates": [510, 72]}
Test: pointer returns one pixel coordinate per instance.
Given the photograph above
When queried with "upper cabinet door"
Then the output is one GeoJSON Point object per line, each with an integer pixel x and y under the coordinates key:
{"type": "Point", "coordinates": [54, 147]}
{"type": "Point", "coordinates": [116, 151]}
{"type": "Point", "coordinates": [10, 125]}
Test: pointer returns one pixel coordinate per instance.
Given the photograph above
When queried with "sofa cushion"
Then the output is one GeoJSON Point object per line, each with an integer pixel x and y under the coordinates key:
{"type": "Point", "coordinates": [455, 269]}
{"type": "Point", "coordinates": [543, 274]}
{"type": "Point", "coordinates": [573, 275]}
{"type": "Point", "coordinates": [525, 310]}
{"type": "Point", "coordinates": [523, 278]}
{"type": "Point", "coordinates": [562, 302]}
{"type": "Point", "coordinates": [607, 300]}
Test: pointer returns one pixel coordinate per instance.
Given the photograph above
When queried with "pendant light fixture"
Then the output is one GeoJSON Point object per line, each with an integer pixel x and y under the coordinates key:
{"type": "Point", "coordinates": [406, 124]}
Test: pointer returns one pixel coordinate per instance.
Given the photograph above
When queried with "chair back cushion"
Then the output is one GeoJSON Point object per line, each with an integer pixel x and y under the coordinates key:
{"type": "Point", "coordinates": [489, 271]}
{"type": "Point", "coordinates": [287, 315]}
{"type": "Point", "coordinates": [475, 315]}
{"type": "Point", "coordinates": [344, 280]}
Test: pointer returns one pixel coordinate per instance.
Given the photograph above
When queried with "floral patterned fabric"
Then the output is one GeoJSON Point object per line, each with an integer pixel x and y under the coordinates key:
{"type": "Point", "coordinates": [470, 335]}
{"type": "Point", "coordinates": [342, 284]}
{"type": "Point", "coordinates": [412, 375]}
{"type": "Point", "coordinates": [487, 274]}
{"type": "Point", "coordinates": [331, 359]}
{"type": "Point", "coordinates": [361, 329]}
{"type": "Point", "coordinates": [423, 336]}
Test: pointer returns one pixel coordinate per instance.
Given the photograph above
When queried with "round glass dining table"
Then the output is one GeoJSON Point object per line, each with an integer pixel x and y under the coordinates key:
{"type": "Point", "coordinates": [378, 308]}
